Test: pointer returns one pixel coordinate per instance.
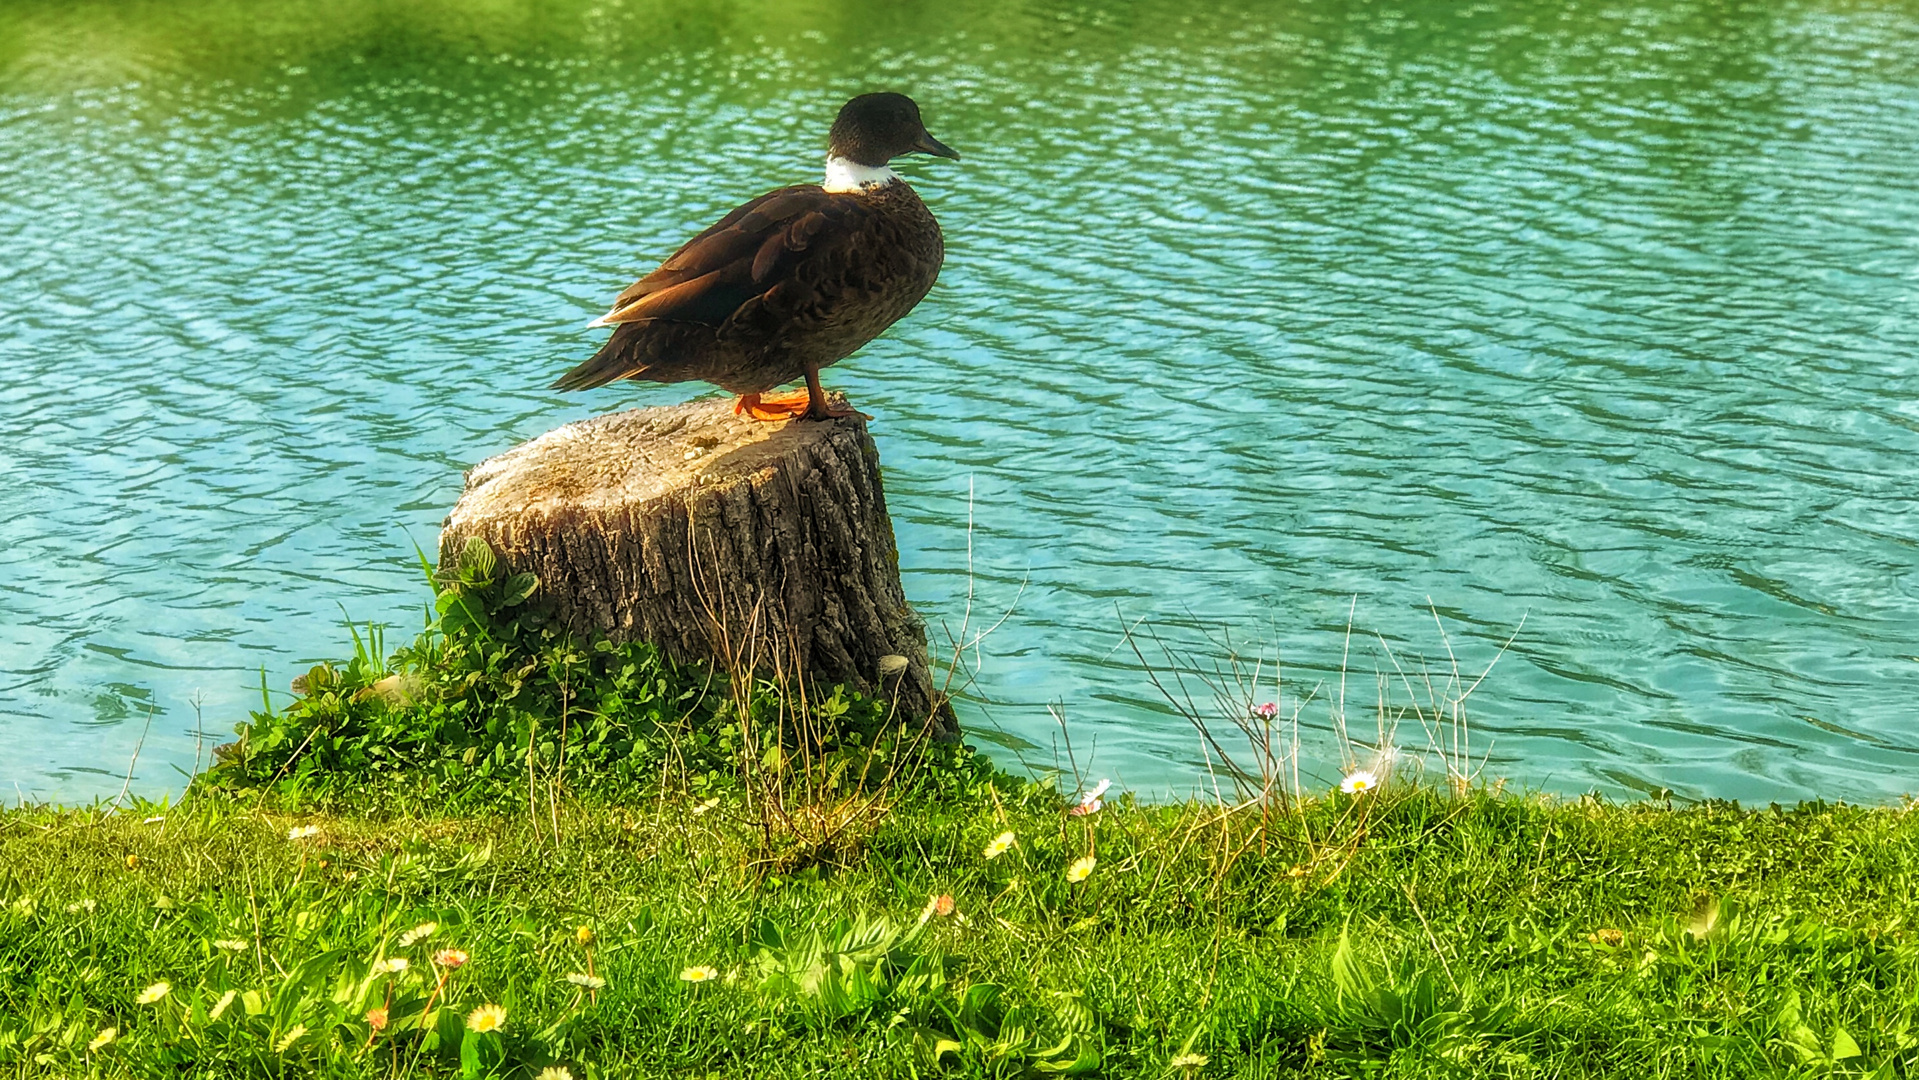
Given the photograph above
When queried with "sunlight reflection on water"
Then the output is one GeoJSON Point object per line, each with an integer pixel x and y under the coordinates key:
{"type": "Point", "coordinates": [1601, 319]}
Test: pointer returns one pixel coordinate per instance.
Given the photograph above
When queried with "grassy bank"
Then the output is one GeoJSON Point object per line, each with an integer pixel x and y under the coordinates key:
{"type": "Point", "coordinates": [495, 851]}
{"type": "Point", "coordinates": [1414, 935]}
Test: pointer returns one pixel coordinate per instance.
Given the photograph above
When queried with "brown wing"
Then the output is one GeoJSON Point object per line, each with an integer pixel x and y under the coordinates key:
{"type": "Point", "coordinates": [742, 258]}
{"type": "Point", "coordinates": [770, 269]}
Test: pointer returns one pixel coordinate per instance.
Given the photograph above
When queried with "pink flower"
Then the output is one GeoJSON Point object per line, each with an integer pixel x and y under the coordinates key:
{"type": "Point", "coordinates": [1266, 710]}
{"type": "Point", "coordinates": [1089, 803]}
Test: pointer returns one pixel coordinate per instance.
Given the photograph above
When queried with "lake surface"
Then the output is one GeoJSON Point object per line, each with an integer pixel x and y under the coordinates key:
{"type": "Point", "coordinates": [1601, 316]}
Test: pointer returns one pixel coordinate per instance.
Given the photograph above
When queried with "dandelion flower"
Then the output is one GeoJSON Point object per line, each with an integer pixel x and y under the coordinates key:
{"type": "Point", "coordinates": [154, 993]}
{"type": "Point", "coordinates": [100, 1041]}
{"type": "Point", "coordinates": [376, 1018]}
{"type": "Point", "coordinates": [1188, 1061]}
{"type": "Point", "coordinates": [392, 965]}
{"type": "Point", "coordinates": [1265, 710]}
{"type": "Point", "coordinates": [486, 1018]}
{"type": "Point", "coordinates": [303, 832]}
{"type": "Point", "coordinates": [418, 933]}
{"type": "Point", "coordinates": [943, 905]}
{"type": "Point", "coordinates": [231, 945]}
{"type": "Point", "coordinates": [450, 958]}
{"type": "Point", "coordinates": [1081, 869]}
{"type": "Point", "coordinates": [699, 973]}
{"type": "Point", "coordinates": [590, 982]}
{"type": "Point", "coordinates": [221, 1005]}
{"type": "Point", "coordinates": [133, 861]}
{"type": "Point", "coordinates": [292, 1036]}
{"type": "Point", "coordinates": [1359, 781]}
{"type": "Point", "coordinates": [1001, 845]}
{"type": "Point", "coordinates": [554, 1072]}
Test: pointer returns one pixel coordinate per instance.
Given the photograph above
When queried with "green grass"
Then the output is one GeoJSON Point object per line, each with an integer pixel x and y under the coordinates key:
{"type": "Point", "coordinates": [511, 786]}
{"type": "Point", "coordinates": [1430, 935]}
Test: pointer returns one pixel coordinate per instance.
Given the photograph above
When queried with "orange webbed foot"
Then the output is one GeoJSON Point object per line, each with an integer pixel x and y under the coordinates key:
{"type": "Point", "coordinates": [794, 405]}
{"type": "Point", "coordinates": [771, 407]}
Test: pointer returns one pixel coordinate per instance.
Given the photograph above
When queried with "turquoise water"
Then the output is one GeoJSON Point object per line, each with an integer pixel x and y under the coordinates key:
{"type": "Point", "coordinates": [1604, 317]}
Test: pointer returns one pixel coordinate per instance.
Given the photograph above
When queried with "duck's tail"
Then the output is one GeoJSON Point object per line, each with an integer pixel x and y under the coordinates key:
{"type": "Point", "coordinates": [612, 363]}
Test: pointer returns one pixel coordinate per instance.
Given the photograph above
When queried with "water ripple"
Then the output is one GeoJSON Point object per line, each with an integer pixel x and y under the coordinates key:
{"type": "Point", "coordinates": [1600, 318]}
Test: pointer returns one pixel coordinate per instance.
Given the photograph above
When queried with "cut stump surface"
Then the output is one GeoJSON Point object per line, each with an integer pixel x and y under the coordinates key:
{"type": "Point", "coordinates": [719, 539]}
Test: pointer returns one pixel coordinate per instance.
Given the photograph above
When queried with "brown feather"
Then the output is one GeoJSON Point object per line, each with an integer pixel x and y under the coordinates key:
{"type": "Point", "coordinates": [793, 280]}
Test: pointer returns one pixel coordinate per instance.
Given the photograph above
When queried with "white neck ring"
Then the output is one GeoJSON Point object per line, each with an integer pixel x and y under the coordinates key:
{"type": "Point", "coordinates": [844, 176]}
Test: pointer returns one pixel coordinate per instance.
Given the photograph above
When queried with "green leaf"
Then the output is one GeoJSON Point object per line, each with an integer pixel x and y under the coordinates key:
{"type": "Point", "coordinates": [518, 588]}
{"type": "Point", "coordinates": [477, 562]}
{"type": "Point", "coordinates": [1843, 1046]}
{"type": "Point", "coordinates": [1349, 979]}
{"type": "Point", "coordinates": [1074, 1014]}
{"type": "Point", "coordinates": [470, 1055]}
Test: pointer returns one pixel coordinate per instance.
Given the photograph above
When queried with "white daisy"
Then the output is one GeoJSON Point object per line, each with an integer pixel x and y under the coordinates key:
{"type": "Point", "coordinates": [1359, 781]}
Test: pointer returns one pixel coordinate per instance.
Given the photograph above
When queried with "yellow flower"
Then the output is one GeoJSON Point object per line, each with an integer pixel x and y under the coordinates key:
{"type": "Point", "coordinates": [699, 973]}
{"type": "Point", "coordinates": [221, 1005]}
{"type": "Point", "coordinates": [424, 930]}
{"type": "Point", "coordinates": [101, 1040]}
{"type": "Point", "coordinates": [133, 861]}
{"type": "Point", "coordinates": [486, 1018]}
{"type": "Point", "coordinates": [154, 993]}
{"type": "Point", "coordinates": [554, 1072]}
{"type": "Point", "coordinates": [1001, 845]}
{"type": "Point", "coordinates": [1081, 869]}
{"type": "Point", "coordinates": [292, 1036]}
{"type": "Point", "coordinates": [584, 935]}
{"type": "Point", "coordinates": [450, 958]}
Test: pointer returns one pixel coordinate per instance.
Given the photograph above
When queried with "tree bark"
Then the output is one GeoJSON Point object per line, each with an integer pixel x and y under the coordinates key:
{"type": "Point", "coordinates": [762, 546]}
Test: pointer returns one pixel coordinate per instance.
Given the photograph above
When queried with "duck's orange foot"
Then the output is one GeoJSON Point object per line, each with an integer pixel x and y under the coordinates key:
{"type": "Point", "coordinates": [795, 404]}
{"type": "Point", "coordinates": [770, 407]}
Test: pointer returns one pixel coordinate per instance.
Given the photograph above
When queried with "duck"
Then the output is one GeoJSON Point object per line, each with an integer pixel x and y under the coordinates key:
{"type": "Point", "coordinates": [789, 283]}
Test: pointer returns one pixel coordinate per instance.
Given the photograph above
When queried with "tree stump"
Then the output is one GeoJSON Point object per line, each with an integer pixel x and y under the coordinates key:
{"type": "Point", "coordinates": [762, 546]}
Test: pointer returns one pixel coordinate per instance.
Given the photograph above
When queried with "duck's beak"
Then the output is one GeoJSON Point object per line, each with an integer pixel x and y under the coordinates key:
{"type": "Point", "coordinates": [927, 144]}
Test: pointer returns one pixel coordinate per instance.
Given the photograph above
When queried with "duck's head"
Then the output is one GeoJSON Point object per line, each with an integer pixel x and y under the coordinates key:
{"type": "Point", "coordinates": [871, 131]}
